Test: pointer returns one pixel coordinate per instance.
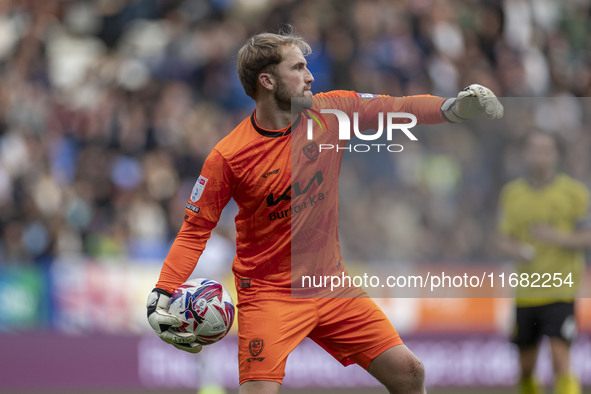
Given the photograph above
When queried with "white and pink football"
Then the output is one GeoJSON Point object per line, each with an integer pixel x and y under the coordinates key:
{"type": "Point", "coordinates": [205, 307]}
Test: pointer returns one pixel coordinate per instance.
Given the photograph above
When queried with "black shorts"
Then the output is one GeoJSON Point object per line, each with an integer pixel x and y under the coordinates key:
{"type": "Point", "coordinates": [555, 320]}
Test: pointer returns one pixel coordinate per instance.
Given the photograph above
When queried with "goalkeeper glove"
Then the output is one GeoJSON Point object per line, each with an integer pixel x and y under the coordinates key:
{"type": "Point", "coordinates": [471, 102]}
{"type": "Point", "coordinates": [192, 347]}
{"type": "Point", "coordinates": [161, 320]}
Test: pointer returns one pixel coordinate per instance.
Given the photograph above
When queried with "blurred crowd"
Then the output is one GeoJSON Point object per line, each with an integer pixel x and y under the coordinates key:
{"type": "Point", "coordinates": [108, 109]}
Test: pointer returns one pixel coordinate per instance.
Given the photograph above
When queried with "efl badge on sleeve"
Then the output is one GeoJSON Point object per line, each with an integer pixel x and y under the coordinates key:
{"type": "Point", "coordinates": [198, 188]}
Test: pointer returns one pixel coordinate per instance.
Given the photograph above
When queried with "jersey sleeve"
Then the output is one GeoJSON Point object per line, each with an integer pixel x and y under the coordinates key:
{"type": "Point", "coordinates": [212, 191]}
{"type": "Point", "coordinates": [183, 256]}
{"type": "Point", "coordinates": [426, 108]}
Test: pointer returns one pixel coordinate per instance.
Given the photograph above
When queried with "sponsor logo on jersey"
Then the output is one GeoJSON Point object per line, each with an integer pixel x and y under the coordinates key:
{"type": "Point", "coordinates": [297, 190]}
{"type": "Point", "coordinates": [274, 172]}
{"type": "Point", "coordinates": [198, 188]}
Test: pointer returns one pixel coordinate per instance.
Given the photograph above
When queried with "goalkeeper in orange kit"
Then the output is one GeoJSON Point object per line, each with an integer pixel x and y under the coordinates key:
{"type": "Point", "coordinates": [256, 166]}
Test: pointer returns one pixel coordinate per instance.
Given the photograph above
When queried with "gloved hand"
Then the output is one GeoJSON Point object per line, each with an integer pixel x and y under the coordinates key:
{"type": "Point", "coordinates": [160, 320]}
{"type": "Point", "coordinates": [471, 102]}
{"type": "Point", "coordinates": [192, 347]}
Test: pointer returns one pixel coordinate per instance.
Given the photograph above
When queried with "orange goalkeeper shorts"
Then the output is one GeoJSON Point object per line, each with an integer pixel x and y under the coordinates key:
{"type": "Point", "coordinates": [352, 330]}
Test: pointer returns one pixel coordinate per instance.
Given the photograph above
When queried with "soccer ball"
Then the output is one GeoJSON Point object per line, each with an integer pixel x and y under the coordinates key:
{"type": "Point", "coordinates": [205, 307]}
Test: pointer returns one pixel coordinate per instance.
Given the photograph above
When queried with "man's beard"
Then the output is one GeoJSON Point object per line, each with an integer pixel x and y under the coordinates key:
{"type": "Point", "coordinates": [285, 101]}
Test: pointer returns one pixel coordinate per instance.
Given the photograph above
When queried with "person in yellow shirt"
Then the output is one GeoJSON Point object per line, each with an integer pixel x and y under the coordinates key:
{"type": "Point", "coordinates": [545, 228]}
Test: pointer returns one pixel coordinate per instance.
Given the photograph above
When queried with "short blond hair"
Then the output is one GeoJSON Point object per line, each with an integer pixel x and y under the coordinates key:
{"type": "Point", "coordinates": [262, 53]}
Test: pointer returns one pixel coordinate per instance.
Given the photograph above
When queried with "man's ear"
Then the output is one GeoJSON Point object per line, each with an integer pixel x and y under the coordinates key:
{"type": "Point", "coordinates": [267, 81]}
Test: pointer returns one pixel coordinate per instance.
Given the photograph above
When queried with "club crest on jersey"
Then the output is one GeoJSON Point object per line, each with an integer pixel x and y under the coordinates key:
{"type": "Point", "coordinates": [311, 150]}
{"type": "Point", "coordinates": [198, 188]}
{"type": "Point", "coordinates": [256, 346]}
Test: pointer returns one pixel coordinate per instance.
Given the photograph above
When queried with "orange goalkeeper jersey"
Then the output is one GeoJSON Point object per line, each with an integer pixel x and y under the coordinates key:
{"type": "Point", "coordinates": [286, 190]}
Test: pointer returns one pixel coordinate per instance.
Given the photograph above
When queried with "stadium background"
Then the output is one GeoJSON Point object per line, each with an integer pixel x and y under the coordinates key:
{"type": "Point", "coordinates": [109, 107]}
